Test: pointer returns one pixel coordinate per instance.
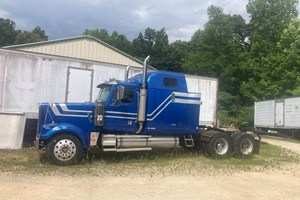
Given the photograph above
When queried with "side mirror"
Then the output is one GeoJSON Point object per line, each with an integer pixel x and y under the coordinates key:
{"type": "Point", "coordinates": [120, 94]}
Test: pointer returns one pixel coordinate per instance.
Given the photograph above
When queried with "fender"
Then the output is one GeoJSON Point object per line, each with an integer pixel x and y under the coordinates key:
{"type": "Point", "coordinates": [70, 128]}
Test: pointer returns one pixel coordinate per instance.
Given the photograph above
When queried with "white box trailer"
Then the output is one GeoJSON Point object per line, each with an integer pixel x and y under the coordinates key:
{"type": "Point", "coordinates": [28, 79]}
{"type": "Point", "coordinates": [282, 115]}
{"type": "Point", "coordinates": [208, 88]}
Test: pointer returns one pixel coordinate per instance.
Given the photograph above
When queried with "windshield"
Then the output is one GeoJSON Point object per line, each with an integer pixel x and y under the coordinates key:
{"type": "Point", "coordinates": [103, 93]}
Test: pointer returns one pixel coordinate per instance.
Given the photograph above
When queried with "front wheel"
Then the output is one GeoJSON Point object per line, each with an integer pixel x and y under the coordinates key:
{"type": "Point", "coordinates": [220, 145]}
{"type": "Point", "coordinates": [64, 149]}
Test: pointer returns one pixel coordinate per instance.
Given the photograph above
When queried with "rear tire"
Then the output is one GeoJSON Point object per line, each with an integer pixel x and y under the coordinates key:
{"type": "Point", "coordinates": [64, 149]}
{"type": "Point", "coordinates": [244, 144]}
{"type": "Point", "coordinates": [220, 145]}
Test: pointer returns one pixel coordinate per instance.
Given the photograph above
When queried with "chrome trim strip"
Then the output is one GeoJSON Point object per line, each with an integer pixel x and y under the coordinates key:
{"type": "Point", "coordinates": [187, 101]}
{"type": "Point", "coordinates": [120, 117]}
{"type": "Point", "coordinates": [182, 94]}
{"type": "Point", "coordinates": [125, 113]}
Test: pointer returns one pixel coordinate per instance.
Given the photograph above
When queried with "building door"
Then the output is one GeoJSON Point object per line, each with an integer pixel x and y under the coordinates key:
{"type": "Point", "coordinates": [279, 113]}
{"type": "Point", "coordinates": [79, 85]}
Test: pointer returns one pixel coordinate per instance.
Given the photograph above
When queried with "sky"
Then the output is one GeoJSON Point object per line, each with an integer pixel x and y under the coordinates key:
{"type": "Point", "coordinates": [69, 18]}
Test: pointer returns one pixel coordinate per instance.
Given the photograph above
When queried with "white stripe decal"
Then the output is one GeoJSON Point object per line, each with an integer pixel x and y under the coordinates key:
{"type": "Point", "coordinates": [66, 109]}
{"type": "Point", "coordinates": [176, 100]}
{"type": "Point", "coordinates": [122, 113]}
{"type": "Point", "coordinates": [57, 113]}
{"type": "Point", "coordinates": [149, 115]}
{"type": "Point", "coordinates": [151, 119]}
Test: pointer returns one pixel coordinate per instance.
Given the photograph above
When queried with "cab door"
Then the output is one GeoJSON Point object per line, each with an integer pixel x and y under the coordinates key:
{"type": "Point", "coordinates": [121, 112]}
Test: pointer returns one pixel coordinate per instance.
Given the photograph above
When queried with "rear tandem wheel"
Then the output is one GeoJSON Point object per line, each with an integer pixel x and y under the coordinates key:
{"type": "Point", "coordinates": [220, 145]}
{"type": "Point", "coordinates": [244, 144]}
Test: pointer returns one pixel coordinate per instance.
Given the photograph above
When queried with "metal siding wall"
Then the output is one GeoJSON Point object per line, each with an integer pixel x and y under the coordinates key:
{"type": "Point", "coordinates": [83, 49]}
{"type": "Point", "coordinates": [31, 79]}
{"type": "Point", "coordinates": [2, 77]}
{"type": "Point", "coordinates": [264, 115]}
{"type": "Point", "coordinates": [292, 112]}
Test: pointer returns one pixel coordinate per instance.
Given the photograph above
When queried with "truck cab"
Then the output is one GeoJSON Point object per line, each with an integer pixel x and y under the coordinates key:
{"type": "Point", "coordinates": [150, 110]}
{"type": "Point", "coordinates": [170, 109]}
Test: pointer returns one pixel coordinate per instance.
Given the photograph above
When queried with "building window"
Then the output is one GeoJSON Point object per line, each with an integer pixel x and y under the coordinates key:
{"type": "Point", "coordinates": [170, 82]}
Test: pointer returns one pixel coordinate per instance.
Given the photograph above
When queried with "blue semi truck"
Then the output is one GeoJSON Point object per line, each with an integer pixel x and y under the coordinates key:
{"type": "Point", "coordinates": [150, 110]}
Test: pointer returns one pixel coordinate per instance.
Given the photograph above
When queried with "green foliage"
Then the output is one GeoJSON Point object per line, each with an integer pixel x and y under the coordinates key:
{"type": "Point", "coordinates": [10, 36]}
{"type": "Point", "coordinates": [255, 61]}
{"type": "Point", "coordinates": [116, 40]}
{"type": "Point", "coordinates": [268, 19]}
{"type": "Point", "coordinates": [154, 43]}
{"type": "Point", "coordinates": [273, 66]}
{"type": "Point", "coordinates": [41, 33]}
{"type": "Point", "coordinates": [7, 32]}
{"type": "Point", "coordinates": [216, 50]}
{"type": "Point", "coordinates": [24, 37]}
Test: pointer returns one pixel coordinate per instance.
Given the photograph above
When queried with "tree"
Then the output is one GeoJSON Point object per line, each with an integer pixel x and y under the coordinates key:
{"type": "Point", "coordinates": [216, 50]}
{"type": "Point", "coordinates": [7, 32]}
{"type": "Point", "coordinates": [289, 46]}
{"type": "Point", "coordinates": [268, 19]}
{"type": "Point", "coordinates": [101, 34]}
{"type": "Point", "coordinates": [39, 31]}
{"type": "Point", "coordinates": [152, 43]}
{"type": "Point", "coordinates": [24, 37]}
{"type": "Point", "coordinates": [10, 36]}
{"type": "Point", "coordinates": [116, 40]}
{"type": "Point", "coordinates": [266, 68]}
{"type": "Point", "coordinates": [121, 42]}
{"type": "Point", "coordinates": [175, 54]}
{"type": "Point", "coordinates": [36, 35]}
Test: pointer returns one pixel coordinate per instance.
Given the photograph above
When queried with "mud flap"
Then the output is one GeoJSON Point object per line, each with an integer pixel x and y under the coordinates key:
{"type": "Point", "coordinates": [257, 144]}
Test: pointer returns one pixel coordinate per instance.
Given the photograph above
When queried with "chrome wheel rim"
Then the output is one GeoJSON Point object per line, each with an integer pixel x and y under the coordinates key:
{"type": "Point", "coordinates": [64, 150]}
{"type": "Point", "coordinates": [221, 146]}
{"type": "Point", "coordinates": [246, 146]}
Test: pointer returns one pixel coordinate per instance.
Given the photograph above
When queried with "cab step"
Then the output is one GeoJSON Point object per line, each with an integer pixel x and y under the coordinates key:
{"type": "Point", "coordinates": [188, 140]}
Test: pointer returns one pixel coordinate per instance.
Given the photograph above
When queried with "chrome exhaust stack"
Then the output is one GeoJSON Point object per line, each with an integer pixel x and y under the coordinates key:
{"type": "Point", "coordinates": [141, 117]}
{"type": "Point", "coordinates": [127, 73]}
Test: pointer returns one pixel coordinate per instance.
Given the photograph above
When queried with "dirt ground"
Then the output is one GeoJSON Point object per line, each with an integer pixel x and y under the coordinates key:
{"type": "Point", "coordinates": [272, 184]}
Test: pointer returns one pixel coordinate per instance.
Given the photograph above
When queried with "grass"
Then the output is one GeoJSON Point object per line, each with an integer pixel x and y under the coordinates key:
{"type": "Point", "coordinates": [161, 163]}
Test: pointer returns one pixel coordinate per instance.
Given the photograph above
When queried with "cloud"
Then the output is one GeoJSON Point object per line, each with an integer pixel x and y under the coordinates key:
{"type": "Point", "coordinates": [4, 14]}
{"type": "Point", "coordinates": [68, 18]}
{"type": "Point", "coordinates": [141, 14]}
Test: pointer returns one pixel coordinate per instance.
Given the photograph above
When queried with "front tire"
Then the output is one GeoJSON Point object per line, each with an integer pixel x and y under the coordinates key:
{"type": "Point", "coordinates": [64, 149]}
{"type": "Point", "coordinates": [220, 145]}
